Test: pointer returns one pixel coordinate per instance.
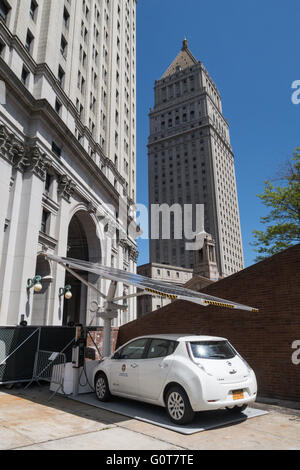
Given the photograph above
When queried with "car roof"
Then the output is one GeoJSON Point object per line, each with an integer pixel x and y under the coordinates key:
{"type": "Point", "coordinates": [182, 337]}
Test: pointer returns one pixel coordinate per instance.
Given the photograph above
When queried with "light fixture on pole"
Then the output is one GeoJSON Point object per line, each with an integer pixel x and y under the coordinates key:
{"type": "Point", "coordinates": [66, 291]}
{"type": "Point", "coordinates": [35, 282]}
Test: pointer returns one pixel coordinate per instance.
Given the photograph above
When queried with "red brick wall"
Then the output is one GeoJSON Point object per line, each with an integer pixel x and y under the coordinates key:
{"type": "Point", "coordinates": [264, 339]}
{"type": "Point", "coordinates": [96, 337]}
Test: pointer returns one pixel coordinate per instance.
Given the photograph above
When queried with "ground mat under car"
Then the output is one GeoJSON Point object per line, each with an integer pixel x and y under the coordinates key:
{"type": "Point", "coordinates": [157, 415]}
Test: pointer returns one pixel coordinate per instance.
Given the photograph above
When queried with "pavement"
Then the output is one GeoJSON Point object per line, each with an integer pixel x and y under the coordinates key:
{"type": "Point", "coordinates": [29, 421]}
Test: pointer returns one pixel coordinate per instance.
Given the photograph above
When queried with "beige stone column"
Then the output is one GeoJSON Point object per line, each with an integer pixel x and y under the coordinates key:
{"type": "Point", "coordinates": [65, 188]}
{"type": "Point", "coordinates": [8, 252]}
{"type": "Point", "coordinates": [26, 247]}
{"type": "Point", "coordinates": [58, 272]}
{"type": "Point", "coordinates": [5, 178]}
{"type": "Point", "coordinates": [13, 160]}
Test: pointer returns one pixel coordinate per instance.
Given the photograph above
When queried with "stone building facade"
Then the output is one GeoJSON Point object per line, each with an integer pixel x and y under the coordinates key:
{"type": "Point", "coordinates": [67, 152]}
{"type": "Point", "coordinates": [160, 272]}
{"type": "Point", "coordinates": [191, 162]}
{"type": "Point", "coordinates": [204, 273]}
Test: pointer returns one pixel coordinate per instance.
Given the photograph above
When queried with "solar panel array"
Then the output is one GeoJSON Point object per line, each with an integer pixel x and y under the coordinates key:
{"type": "Point", "coordinates": [150, 286]}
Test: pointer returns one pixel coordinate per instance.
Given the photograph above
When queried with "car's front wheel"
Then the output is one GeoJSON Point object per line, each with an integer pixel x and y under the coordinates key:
{"type": "Point", "coordinates": [102, 387]}
{"type": "Point", "coordinates": [178, 406]}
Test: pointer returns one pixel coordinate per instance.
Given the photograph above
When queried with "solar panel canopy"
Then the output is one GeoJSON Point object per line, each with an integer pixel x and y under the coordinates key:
{"type": "Point", "coordinates": [148, 285]}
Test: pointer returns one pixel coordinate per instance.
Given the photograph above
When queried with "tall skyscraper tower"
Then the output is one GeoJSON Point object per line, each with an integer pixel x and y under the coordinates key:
{"type": "Point", "coordinates": [191, 162]}
{"type": "Point", "coordinates": [67, 150]}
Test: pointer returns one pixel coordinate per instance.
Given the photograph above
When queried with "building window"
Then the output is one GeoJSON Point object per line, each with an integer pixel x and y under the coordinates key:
{"type": "Point", "coordinates": [66, 18]}
{"type": "Point", "coordinates": [29, 41]}
{"type": "Point", "coordinates": [33, 9]}
{"type": "Point", "coordinates": [61, 76]}
{"type": "Point", "coordinates": [45, 220]}
{"type": "Point", "coordinates": [2, 49]}
{"type": "Point", "coordinates": [58, 107]}
{"type": "Point", "coordinates": [48, 183]}
{"type": "Point", "coordinates": [82, 85]}
{"type": "Point", "coordinates": [4, 10]}
{"type": "Point", "coordinates": [56, 149]}
{"type": "Point", "coordinates": [63, 46]}
{"type": "Point", "coordinates": [25, 76]}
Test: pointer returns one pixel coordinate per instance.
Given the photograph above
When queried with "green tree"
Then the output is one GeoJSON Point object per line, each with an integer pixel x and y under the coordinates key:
{"type": "Point", "coordinates": [283, 222]}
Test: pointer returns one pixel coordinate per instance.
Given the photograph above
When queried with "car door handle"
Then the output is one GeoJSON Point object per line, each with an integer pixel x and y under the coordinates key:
{"type": "Point", "coordinates": [134, 365]}
{"type": "Point", "coordinates": [163, 366]}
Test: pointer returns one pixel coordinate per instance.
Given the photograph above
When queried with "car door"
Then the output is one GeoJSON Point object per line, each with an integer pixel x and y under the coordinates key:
{"type": "Point", "coordinates": [124, 373]}
{"type": "Point", "coordinates": [155, 367]}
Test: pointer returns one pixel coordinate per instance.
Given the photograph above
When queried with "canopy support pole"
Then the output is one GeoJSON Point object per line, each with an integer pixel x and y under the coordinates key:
{"type": "Point", "coordinates": [80, 278]}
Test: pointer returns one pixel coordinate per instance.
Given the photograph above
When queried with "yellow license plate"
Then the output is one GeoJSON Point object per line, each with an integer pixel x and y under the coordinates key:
{"type": "Point", "coordinates": [238, 394]}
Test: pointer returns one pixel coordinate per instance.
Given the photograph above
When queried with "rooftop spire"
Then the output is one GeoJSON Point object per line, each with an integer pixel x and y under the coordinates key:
{"type": "Point", "coordinates": [185, 44]}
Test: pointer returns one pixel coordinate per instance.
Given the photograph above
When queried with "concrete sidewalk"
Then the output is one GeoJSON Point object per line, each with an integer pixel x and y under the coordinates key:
{"type": "Point", "coordinates": [29, 421]}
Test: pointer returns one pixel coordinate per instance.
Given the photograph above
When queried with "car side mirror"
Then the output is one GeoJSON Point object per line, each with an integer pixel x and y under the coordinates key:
{"type": "Point", "coordinates": [116, 355]}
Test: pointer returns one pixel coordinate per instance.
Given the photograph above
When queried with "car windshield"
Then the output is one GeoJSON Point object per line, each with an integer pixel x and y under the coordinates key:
{"type": "Point", "coordinates": [212, 350]}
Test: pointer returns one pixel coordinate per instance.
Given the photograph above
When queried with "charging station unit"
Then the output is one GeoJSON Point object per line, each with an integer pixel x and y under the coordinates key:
{"type": "Point", "coordinates": [77, 374]}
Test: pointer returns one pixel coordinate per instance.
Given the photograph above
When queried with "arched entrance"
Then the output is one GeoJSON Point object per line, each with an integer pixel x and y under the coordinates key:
{"type": "Point", "coordinates": [83, 244]}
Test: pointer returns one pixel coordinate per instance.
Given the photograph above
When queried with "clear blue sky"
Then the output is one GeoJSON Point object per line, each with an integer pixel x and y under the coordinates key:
{"type": "Point", "coordinates": [252, 52]}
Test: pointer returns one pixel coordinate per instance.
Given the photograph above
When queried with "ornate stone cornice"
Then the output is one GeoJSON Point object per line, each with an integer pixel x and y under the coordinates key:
{"type": "Point", "coordinates": [12, 149]}
{"type": "Point", "coordinates": [91, 208]}
{"type": "Point", "coordinates": [123, 243]}
{"type": "Point", "coordinates": [37, 162]}
{"type": "Point", "coordinates": [23, 157]}
{"type": "Point", "coordinates": [133, 254]}
{"type": "Point", "coordinates": [110, 228]}
{"type": "Point", "coordinates": [65, 187]}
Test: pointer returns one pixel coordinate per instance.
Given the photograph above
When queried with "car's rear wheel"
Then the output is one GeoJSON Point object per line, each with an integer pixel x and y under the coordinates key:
{"type": "Point", "coordinates": [102, 387]}
{"type": "Point", "coordinates": [237, 409]}
{"type": "Point", "coordinates": [178, 406]}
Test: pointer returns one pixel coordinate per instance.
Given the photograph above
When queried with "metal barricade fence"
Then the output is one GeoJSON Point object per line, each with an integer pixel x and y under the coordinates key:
{"type": "Point", "coordinates": [19, 347]}
{"type": "Point", "coordinates": [17, 353]}
{"type": "Point", "coordinates": [50, 367]}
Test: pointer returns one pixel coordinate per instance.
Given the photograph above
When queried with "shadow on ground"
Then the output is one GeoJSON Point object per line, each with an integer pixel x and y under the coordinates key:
{"type": "Point", "coordinates": [121, 410]}
{"type": "Point", "coordinates": [40, 394]}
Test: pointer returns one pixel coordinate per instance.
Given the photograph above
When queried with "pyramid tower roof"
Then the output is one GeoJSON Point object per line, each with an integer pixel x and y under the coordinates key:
{"type": "Point", "coordinates": [183, 60]}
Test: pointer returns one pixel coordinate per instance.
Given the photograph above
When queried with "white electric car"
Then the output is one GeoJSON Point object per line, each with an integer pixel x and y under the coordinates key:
{"type": "Point", "coordinates": [185, 374]}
